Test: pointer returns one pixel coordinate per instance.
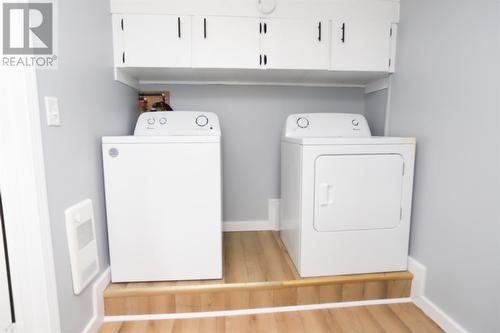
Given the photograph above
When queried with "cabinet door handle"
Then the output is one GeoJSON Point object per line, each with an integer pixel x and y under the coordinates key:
{"type": "Point", "coordinates": [179, 27]}
{"type": "Point", "coordinates": [343, 33]}
{"type": "Point", "coordinates": [265, 59]}
{"type": "Point", "coordinates": [265, 28]}
{"type": "Point", "coordinates": [205, 28]}
{"type": "Point", "coordinates": [319, 31]}
{"type": "Point", "coordinates": [260, 59]}
{"type": "Point", "coordinates": [260, 27]}
{"type": "Point", "coordinates": [123, 57]}
{"type": "Point", "coordinates": [122, 24]}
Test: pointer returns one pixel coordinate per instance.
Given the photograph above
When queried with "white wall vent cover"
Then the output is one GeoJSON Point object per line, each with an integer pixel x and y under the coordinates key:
{"type": "Point", "coordinates": [80, 229]}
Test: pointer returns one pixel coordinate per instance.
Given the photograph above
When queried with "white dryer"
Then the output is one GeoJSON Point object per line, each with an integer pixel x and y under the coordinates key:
{"type": "Point", "coordinates": [346, 196]}
{"type": "Point", "coordinates": [163, 198]}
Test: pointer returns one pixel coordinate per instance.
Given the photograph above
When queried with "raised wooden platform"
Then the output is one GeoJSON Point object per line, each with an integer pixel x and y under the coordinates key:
{"type": "Point", "coordinates": [257, 273]}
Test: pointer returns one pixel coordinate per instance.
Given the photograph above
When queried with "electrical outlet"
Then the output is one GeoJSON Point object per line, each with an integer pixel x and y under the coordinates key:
{"type": "Point", "coordinates": [52, 109]}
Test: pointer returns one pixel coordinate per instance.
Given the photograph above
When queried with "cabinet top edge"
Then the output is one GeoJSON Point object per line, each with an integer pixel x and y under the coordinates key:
{"type": "Point", "coordinates": [375, 9]}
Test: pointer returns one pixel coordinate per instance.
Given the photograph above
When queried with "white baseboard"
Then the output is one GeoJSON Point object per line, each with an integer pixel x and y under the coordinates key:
{"type": "Point", "coordinates": [274, 213]}
{"type": "Point", "coordinates": [434, 312]}
{"type": "Point", "coordinates": [419, 271]}
{"type": "Point", "coordinates": [272, 222]}
{"type": "Point", "coordinates": [98, 301]}
{"type": "Point", "coordinates": [419, 276]}
{"type": "Point", "coordinates": [229, 226]}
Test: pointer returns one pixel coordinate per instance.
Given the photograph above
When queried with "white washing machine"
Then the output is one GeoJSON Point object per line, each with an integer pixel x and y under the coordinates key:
{"type": "Point", "coordinates": [346, 196]}
{"type": "Point", "coordinates": [163, 198]}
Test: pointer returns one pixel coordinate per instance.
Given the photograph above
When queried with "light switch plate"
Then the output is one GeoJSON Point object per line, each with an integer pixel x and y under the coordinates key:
{"type": "Point", "coordinates": [52, 109]}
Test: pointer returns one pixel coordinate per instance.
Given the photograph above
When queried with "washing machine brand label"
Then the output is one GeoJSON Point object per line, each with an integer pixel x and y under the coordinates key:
{"type": "Point", "coordinates": [113, 152]}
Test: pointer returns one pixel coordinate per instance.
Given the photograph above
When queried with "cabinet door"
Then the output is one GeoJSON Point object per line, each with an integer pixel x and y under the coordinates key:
{"type": "Point", "coordinates": [156, 41]}
{"type": "Point", "coordinates": [361, 45]}
{"type": "Point", "coordinates": [296, 43]}
{"type": "Point", "coordinates": [226, 42]}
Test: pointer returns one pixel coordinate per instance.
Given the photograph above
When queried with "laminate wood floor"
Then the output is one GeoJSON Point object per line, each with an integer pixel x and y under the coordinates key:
{"type": "Point", "coordinates": [393, 318]}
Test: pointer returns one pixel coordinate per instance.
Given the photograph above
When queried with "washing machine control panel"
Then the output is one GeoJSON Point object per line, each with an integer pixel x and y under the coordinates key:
{"type": "Point", "coordinates": [177, 123]}
{"type": "Point", "coordinates": [327, 125]}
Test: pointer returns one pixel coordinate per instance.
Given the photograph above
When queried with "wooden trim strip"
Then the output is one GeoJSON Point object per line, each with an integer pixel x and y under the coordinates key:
{"type": "Point", "coordinates": [250, 286]}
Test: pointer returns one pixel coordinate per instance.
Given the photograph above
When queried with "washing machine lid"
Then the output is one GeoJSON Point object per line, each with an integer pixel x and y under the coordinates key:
{"type": "Point", "coordinates": [373, 140]}
{"type": "Point", "coordinates": [177, 123]}
{"type": "Point", "coordinates": [134, 139]}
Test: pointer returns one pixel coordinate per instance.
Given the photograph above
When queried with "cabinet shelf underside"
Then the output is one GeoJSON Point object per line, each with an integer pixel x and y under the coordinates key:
{"type": "Point", "coordinates": [137, 76]}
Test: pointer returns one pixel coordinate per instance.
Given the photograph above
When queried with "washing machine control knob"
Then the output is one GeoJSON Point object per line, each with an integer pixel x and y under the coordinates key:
{"type": "Point", "coordinates": [302, 122]}
{"type": "Point", "coordinates": [163, 120]}
{"type": "Point", "coordinates": [202, 121]}
{"type": "Point", "coordinates": [355, 122]}
{"type": "Point", "coordinates": [151, 120]}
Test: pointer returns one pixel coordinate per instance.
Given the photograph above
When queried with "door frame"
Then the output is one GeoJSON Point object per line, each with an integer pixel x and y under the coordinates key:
{"type": "Point", "coordinates": [25, 205]}
{"type": "Point", "coordinates": [5, 293]}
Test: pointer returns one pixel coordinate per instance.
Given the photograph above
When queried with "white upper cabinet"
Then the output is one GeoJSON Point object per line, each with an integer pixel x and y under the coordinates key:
{"type": "Point", "coordinates": [155, 41]}
{"type": "Point", "coordinates": [361, 45]}
{"type": "Point", "coordinates": [225, 42]}
{"type": "Point", "coordinates": [296, 44]}
{"type": "Point", "coordinates": [299, 42]}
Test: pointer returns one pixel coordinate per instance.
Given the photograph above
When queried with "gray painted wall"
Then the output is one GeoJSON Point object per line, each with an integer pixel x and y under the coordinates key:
{"type": "Point", "coordinates": [375, 107]}
{"type": "Point", "coordinates": [251, 119]}
{"type": "Point", "coordinates": [91, 105]}
{"type": "Point", "coordinates": [446, 92]}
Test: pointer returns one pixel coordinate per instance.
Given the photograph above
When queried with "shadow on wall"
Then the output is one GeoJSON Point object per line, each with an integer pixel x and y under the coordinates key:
{"type": "Point", "coordinates": [375, 111]}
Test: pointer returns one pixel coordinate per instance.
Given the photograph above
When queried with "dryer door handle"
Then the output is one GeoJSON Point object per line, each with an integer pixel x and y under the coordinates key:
{"type": "Point", "coordinates": [325, 194]}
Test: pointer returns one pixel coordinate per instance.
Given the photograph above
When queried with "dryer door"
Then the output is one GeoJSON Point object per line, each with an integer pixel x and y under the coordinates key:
{"type": "Point", "coordinates": [358, 192]}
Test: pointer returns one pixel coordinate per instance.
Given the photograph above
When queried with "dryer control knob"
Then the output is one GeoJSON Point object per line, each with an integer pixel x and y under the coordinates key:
{"type": "Point", "coordinates": [201, 121]}
{"type": "Point", "coordinates": [302, 122]}
{"type": "Point", "coordinates": [151, 121]}
{"type": "Point", "coordinates": [163, 120]}
{"type": "Point", "coordinates": [355, 122]}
